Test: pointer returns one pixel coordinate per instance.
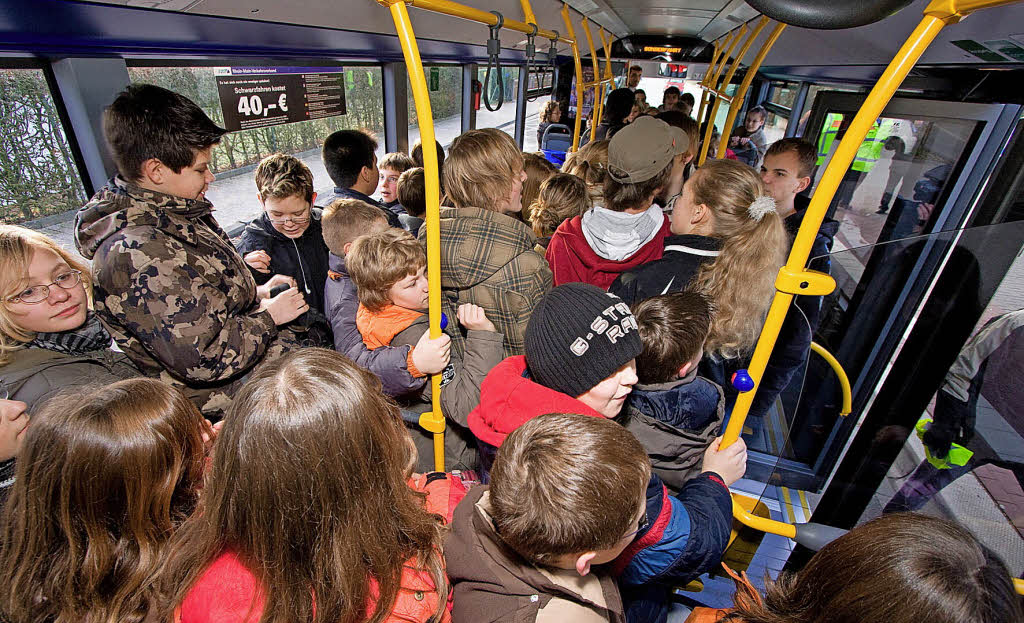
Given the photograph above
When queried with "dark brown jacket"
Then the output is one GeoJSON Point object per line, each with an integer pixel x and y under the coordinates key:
{"type": "Point", "coordinates": [492, 583]}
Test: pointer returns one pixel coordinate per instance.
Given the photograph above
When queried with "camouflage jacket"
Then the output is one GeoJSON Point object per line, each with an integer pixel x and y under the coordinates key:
{"type": "Point", "coordinates": [488, 259]}
{"type": "Point", "coordinates": [174, 293]}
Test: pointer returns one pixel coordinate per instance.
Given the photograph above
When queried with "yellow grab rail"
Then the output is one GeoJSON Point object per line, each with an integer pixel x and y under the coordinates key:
{"type": "Point", "coordinates": [741, 92]}
{"type": "Point", "coordinates": [598, 104]}
{"type": "Point", "coordinates": [454, 9]}
{"type": "Point", "coordinates": [844, 381]}
{"type": "Point", "coordinates": [720, 90]}
{"type": "Point", "coordinates": [433, 421]}
{"type": "Point", "coordinates": [793, 278]}
{"type": "Point", "coordinates": [706, 81]}
{"type": "Point", "coordinates": [579, 77]}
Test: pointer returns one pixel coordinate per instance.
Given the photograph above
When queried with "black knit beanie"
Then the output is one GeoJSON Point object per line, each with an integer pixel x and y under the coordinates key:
{"type": "Point", "coordinates": [578, 336]}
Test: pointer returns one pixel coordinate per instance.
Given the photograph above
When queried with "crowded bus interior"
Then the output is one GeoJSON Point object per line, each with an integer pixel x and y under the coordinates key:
{"type": "Point", "coordinates": [268, 355]}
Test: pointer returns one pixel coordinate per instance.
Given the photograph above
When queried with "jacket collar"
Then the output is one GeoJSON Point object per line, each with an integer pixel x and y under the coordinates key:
{"type": "Point", "coordinates": [660, 387]}
{"type": "Point", "coordinates": [337, 264]}
{"type": "Point", "coordinates": [693, 244]}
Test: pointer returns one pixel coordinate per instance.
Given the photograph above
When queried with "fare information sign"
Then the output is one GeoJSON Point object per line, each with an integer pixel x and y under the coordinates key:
{"type": "Point", "coordinates": [259, 97]}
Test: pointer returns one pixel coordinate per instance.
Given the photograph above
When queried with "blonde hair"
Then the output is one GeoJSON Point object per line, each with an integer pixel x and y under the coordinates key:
{"type": "Point", "coordinates": [480, 169]}
{"type": "Point", "coordinates": [376, 262]}
{"type": "Point", "coordinates": [741, 281]}
{"type": "Point", "coordinates": [538, 170]}
{"type": "Point", "coordinates": [562, 196]}
{"type": "Point", "coordinates": [17, 245]}
{"type": "Point", "coordinates": [344, 220]}
{"type": "Point", "coordinates": [279, 176]}
{"type": "Point", "coordinates": [590, 164]}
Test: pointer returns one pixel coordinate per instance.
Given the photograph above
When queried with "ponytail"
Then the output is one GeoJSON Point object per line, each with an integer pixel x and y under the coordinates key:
{"type": "Point", "coordinates": [741, 281]}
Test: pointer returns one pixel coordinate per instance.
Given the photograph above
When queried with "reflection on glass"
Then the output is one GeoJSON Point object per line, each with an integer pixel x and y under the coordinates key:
{"type": "Point", "coordinates": [235, 195]}
{"type": "Point", "coordinates": [774, 127]}
{"type": "Point", "coordinates": [445, 105]}
{"type": "Point", "coordinates": [966, 461]}
{"type": "Point", "coordinates": [505, 117]}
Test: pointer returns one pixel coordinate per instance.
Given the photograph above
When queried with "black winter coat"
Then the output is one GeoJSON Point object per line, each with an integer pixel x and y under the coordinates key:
{"type": "Point", "coordinates": [304, 258]}
{"type": "Point", "coordinates": [684, 255]}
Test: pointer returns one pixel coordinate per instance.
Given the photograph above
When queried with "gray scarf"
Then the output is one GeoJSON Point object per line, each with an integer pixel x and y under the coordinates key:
{"type": "Point", "coordinates": [86, 338]}
{"type": "Point", "coordinates": [617, 235]}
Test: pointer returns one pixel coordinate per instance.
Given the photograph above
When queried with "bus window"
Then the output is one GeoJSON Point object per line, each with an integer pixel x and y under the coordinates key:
{"type": "Point", "coordinates": [38, 175]}
{"type": "Point", "coordinates": [233, 192]}
{"type": "Point", "coordinates": [444, 85]}
{"type": "Point", "coordinates": [504, 118]}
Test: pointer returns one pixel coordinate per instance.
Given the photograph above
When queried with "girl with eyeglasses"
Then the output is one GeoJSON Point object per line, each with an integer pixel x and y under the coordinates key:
{"type": "Point", "coordinates": [49, 336]}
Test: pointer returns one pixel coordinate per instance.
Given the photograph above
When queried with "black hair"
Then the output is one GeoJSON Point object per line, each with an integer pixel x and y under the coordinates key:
{"type": "Point", "coordinates": [672, 89]}
{"type": "Point", "coordinates": [345, 153]}
{"type": "Point", "coordinates": [618, 106]}
{"type": "Point", "coordinates": [147, 121]}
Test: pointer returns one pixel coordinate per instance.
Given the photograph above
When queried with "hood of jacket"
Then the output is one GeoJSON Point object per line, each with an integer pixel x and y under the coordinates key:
{"type": "Point", "coordinates": [380, 327]}
{"type": "Point", "coordinates": [585, 261]}
{"type": "Point", "coordinates": [493, 583]}
{"type": "Point", "coordinates": [509, 398]}
{"type": "Point", "coordinates": [689, 403]}
{"type": "Point", "coordinates": [121, 204]}
{"type": "Point", "coordinates": [478, 243]}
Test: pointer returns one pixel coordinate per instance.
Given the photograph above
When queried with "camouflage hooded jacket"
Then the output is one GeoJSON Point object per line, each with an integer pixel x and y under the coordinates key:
{"type": "Point", "coordinates": [173, 292]}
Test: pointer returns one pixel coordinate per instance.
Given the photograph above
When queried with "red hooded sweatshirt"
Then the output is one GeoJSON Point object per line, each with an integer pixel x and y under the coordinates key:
{"type": "Point", "coordinates": [571, 258]}
{"type": "Point", "coordinates": [509, 399]}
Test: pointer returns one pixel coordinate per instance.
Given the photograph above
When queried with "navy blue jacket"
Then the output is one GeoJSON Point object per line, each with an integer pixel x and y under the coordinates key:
{"type": "Point", "coordinates": [348, 193]}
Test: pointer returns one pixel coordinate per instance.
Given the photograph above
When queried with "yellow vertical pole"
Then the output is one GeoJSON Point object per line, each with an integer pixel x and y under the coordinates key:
{"type": "Point", "coordinates": [706, 82]}
{"type": "Point", "coordinates": [433, 421]}
{"type": "Point", "coordinates": [609, 83]}
{"type": "Point", "coordinates": [741, 92]}
{"type": "Point", "coordinates": [792, 274]}
{"type": "Point", "coordinates": [598, 101]}
{"type": "Point", "coordinates": [724, 84]}
{"type": "Point", "coordinates": [579, 76]}
{"type": "Point", "coordinates": [714, 86]}
{"type": "Point", "coordinates": [528, 15]}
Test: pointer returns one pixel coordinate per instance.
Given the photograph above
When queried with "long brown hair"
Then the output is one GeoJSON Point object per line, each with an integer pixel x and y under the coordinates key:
{"type": "Point", "coordinates": [899, 568]}
{"type": "Point", "coordinates": [102, 482]}
{"type": "Point", "coordinates": [538, 170]}
{"type": "Point", "coordinates": [562, 196]}
{"type": "Point", "coordinates": [741, 281]}
{"type": "Point", "coordinates": [308, 488]}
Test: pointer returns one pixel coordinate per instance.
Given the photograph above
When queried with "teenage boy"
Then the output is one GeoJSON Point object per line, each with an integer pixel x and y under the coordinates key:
{"type": "Point", "coordinates": [673, 412]}
{"type": "Point", "coordinates": [748, 141]}
{"type": "Point", "coordinates": [669, 99]}
{"type": "Point", "coordinates": [287, 238]}
{"type": "Point", "coordinates": [627, 228]}
{"type": "Point", "coordinates": [391, 167]}
{"type": "Point", "coordinates": [636, 72]}
{"type": "Point", "coordinates": [786, 173]}
{"type": "Point", "coordinates": [388, 270]}
{"type": "Point", "coordinates": [487, 254]}
{"type": "Point", "coordinates": [412, 194]}
{"type": "Point", "coordinates": [566, 497]}
{"type": "Point", "coordinates": [581, 345]}
{"type": "Point", "coordinates": [344, 220]}
{"type": "Point", "coordinates": [168, 285]}
{"type": "Point", "coordinates": [350, 157]}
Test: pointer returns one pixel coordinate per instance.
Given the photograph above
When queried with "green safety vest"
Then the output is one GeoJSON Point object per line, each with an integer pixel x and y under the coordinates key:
{"type": "Point", "coordinates": [869, 151]}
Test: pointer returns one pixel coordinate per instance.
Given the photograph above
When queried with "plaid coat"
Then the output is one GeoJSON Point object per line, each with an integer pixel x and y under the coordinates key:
{"type": "Point", "coordinates": [488, 259]}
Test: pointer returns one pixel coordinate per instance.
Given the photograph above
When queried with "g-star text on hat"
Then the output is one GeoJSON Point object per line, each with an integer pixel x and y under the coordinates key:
{"type": "Point", "coordinates": [621, 323]}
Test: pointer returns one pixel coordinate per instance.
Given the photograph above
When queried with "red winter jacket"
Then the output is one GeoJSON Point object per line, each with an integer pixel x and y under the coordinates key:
{"type": "Point", "coordinates": [228, 592]}
{"type": "Point", "coordinates": [509, 399]}
{"type": "Point", "coordinates": [571, 258]}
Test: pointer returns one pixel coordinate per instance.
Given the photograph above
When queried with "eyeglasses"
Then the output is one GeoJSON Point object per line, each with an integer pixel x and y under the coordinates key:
{"type": "Point", "coordinates": [297, 220]}
{"type": "Point", "coordinates": [37, 294]}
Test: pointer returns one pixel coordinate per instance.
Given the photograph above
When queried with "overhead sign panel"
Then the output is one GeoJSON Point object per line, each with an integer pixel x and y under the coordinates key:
{"type": "Point", "coordinates": [259, 97]}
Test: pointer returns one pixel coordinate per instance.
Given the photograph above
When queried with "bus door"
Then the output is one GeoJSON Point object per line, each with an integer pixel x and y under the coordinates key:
{"type": "Point", "coordinates": [896, 224]}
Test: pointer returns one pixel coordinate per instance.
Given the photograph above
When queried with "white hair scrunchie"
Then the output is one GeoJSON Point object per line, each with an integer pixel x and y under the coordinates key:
{"type": "Point", "coordinates": [761, 207]}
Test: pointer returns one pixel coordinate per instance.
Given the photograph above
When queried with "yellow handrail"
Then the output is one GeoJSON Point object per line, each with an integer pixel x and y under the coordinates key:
{"type": "Point", "coordinates": [579, 77]}
{"type": "Point", "coordinates": [433, 421]}
{"type": "Point", "coordinates": [793, 278]}
{"type": "Point", "coordinates": [741, 92]}
{"type": "Point", "coordinates": [454, 9]}
{"type": "Point", "coordinates": [607, 83]}
{"type": "Point", "coordinates": [844, 381]}
{"type": "Point", "coordinates": [598, 104]}
{"type": "Point", "coordinates": [720, 91]}
{"type": "Point", "coordinates": [528, 15]}
{"type": "Point", "coordinates": [713, 85]}
{"type": "Point", "coordinates": [720, 46]}
{"type": "Point", "coordinates": [1018, 584]}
